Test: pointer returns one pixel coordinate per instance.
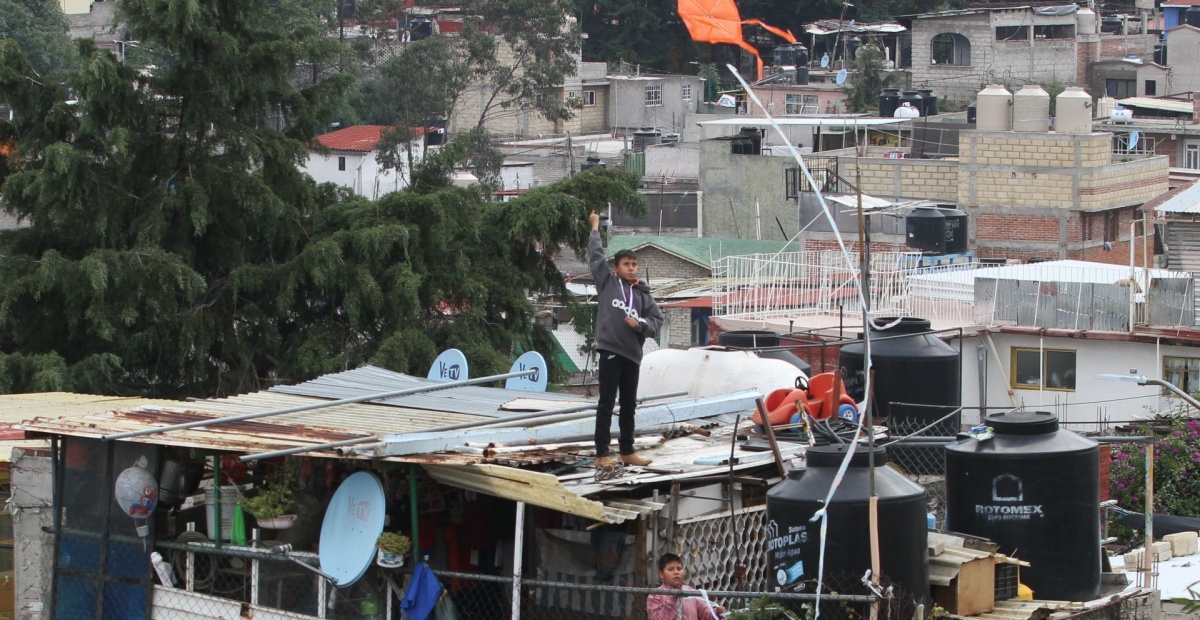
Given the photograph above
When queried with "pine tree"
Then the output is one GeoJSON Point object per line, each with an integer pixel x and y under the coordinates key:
{"type": "Point", "coordinates": [150, 197]}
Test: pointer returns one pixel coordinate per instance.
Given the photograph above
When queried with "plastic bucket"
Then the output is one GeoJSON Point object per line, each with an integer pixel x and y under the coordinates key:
{"type": "Point", "coordinates": [229, 497]}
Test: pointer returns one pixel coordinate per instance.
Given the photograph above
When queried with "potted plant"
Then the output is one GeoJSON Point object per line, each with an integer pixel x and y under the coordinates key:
{"type": "Point", "coordinates": [391, 549]}
{"type": "Point", "coordinates": [274, 502]}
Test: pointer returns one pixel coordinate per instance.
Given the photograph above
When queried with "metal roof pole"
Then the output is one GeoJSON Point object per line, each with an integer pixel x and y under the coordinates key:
{"type": "Point", "coordinates": [450, 427]}
{"type": "Point", "coordinates": [321, 405]}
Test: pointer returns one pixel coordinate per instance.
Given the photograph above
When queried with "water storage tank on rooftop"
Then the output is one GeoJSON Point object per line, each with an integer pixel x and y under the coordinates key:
{"type": "Point", "coordinates": [754, 339]}
{"type": "Point", "coordinates": [925, 230]}
{"type": "Point", "coordinates": [914, 99]}
{"type": "Point", "coordinates": [801, 56]}
{"type": "Point", "coordinates": [972, 112]}
{"type": "Point", "coordinates": [1035, 491]}
{"type": "Point", "coordinates": [994, 109]}
{"type": "Point", "coordinates": [1086, 21]}
{"type": "Point", "coordinates": [1074, 111]}
{"type": "Point", "coordinates": [794, 542]}
{"type": "Point", "coordinates": [1031, 109]}
{"type": "Point", "coordinates": [644, 137]}
{"type": "Point", "coordinates": [1110, 24]}
{"type": "Point", "coordinates": [928, 102]}
{"type": "Point", "coordinates": [1160, 52]}
{"type": "Point", "coordinates": [956, 230]}
{"type": "Point", "coordinates": [889, 100]}
{"type": "Point", "coordinates": [785, 55]}
{"type": "Point", "coordinates": [1191, 16]}
{"type": "Point", "coordinates": [916, 375]}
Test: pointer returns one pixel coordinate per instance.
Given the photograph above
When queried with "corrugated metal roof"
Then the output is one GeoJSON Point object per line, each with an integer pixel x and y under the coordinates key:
{"type": "Point", "coordinates": [701, 251]}
{"type": "Point", "coordinates": [16, 408]}
{"type": "Point", "coordinates": [470, 400]}
{"type": "Point", "coordinates": [1151, 103]}
{"type": "Point", "coordinates": [1184, 199]}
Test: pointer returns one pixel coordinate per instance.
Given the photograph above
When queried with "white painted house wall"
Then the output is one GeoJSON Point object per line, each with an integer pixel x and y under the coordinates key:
{"type": "Point", "coordinates": [362, 173]}
{"type": "Point", "coordinates": [516, 175]}
{"type": "Point", "coordinates": [1093, 399]}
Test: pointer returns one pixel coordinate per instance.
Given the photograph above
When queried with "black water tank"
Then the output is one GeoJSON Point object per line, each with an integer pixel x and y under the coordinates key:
{"type": "Point", "coordinates": [1160, 52]}
{"type": "Point", "coordinates": [794, 542]}
{"type": "Point", "coordinates": [1191, 16]}
{"type": "Point", "coordinates": [925, 230]}
{"type": "Point", "coordinates": [646, 136]}
{"type": "Point", "coordinates": [593, 161]}
{"type": "Point", "coordinates": [917, 368]}
{"type": "Point", "coordinates": [1034, 490]}
{"type": "Point", "coordinates": [801, 75]}
{"type": "Point", "coordinates": [802, 57]}
{"type": "Point", "coordinates": [929, 101]}
{"type": "Point", "coordinates": [889, 100]}
{"type": "Point", "coordinates": [914, 98]}
{"type": "Point", "coordinates": [956, 230]}
{"type": "Point", "coordinates": [972, 112]}
{"type": "Point", "coordinates": [1112, 24]}
{"type": "Point", "coordinates": [748, 142]}
{"type": "Point", "coordinates": [785, 55]}
{"type": "Point", "coordinates": [753, 339]}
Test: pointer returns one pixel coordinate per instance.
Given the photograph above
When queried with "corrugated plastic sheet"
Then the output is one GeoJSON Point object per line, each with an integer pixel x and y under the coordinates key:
{"type": "Point", "coordinates": [470, 400]}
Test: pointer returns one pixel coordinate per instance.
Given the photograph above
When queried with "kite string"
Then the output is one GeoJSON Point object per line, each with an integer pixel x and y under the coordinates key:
{"type": "Point", "coordinates": [822, 514]}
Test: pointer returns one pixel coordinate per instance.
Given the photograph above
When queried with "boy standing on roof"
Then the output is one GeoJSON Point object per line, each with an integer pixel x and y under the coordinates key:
{"type": "Point", "coordinates": [627, 315]}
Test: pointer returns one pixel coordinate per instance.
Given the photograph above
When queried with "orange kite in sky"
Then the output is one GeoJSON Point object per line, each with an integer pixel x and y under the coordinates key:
{"type": "Point", "coordinates": [718, 21]}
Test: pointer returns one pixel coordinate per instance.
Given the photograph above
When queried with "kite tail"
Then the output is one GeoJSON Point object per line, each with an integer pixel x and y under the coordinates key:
{"type": "Point", "coordinates": [779, 32]}
{"type": "Point", "coordinates": [757, 58]}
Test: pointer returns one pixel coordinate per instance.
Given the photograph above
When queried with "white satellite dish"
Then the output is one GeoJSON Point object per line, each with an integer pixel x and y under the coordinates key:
{"type": "Point", "coordinates": [825, 61]}
{"type": "Point", "coordinates": [451, 365]}
{"type": "Point", "coordinates": [353, 522]}
{"type": "Point", "coordinates": [1134, 136]}
{"type": "Point", "coordinates": [536, 382]}
{"type": "Point", "coordinates": [852, 23]}
{"type": "Point", "coordinates": [841, 77]}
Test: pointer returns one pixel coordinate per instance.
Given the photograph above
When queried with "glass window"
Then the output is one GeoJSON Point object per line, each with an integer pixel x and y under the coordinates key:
{"type": "Point", "coordinates": [341, 163]}
{"type": "Point", "coordinates": [1151, 88]}
{"type": "Point", "coordinates": [589, 98]}
{"type": "Point", "coordinates": [950, 48]}
{"type": "Point", "coordinates": [800, 104]}
{"type": "Point", "coordinates": [1120, 89]}
{"type": "Point", "coordinates": [1182, 372]}
{"type": "Point", "coordinates": [687, 92]}
{"type": "Point", "coordinates": [654, 95]}
{"type": "Point", "coordinates": [1028, 366]}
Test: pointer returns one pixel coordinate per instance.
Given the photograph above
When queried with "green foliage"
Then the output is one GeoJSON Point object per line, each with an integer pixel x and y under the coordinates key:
{"type": "Point", "coordinates": [149, 196]}
{"type": "Point", "coordinates": [762, 608]}
{"type": "Point", "coordinates": [862, 94]}
{"type": "Point", "coordinates": [395, 543]}
{"type": "Point", "coordinates": [277, 497]}
{"type": "Point", "coordinates": [39, 29]}
{"type": "Point", "coordinates": [424, 80]}
{"type": "Point", "coordinates": [519, 51]}
{"type": "Point", "coordinates": [1190, 603]}
{"type": "Point", "coordinates": [1176, 472]}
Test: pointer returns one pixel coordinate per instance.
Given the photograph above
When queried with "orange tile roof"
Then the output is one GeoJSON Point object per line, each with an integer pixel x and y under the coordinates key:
{"type": "Point", "coordinates": [359, 138]}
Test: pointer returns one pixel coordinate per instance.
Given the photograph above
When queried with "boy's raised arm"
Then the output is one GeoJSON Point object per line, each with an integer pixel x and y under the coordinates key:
{"type": "Point", "coordinates": [597, 261]}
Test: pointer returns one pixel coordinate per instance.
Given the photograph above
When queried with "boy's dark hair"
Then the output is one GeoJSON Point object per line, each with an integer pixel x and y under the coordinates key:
{"type": "Point", "coordinates": [623, 254]}
{"type": "Point", "coordinates": [667, 558]}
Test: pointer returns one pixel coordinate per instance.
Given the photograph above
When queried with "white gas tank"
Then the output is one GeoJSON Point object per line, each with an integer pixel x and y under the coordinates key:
{"type": "Point", "coordinates": [705, 371]}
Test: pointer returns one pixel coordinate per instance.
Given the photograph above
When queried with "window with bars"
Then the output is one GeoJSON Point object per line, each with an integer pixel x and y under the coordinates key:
{"type": "Point", "coordinates": [800, 104]}
{"type": "Point", "coordinates": [1191, 157]}
{"type": "Point", "coordinates": [686, 93]}
{"type": "Point", "coordinates": [654, 95]}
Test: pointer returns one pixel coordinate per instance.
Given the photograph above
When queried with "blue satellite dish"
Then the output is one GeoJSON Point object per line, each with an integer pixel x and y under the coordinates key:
{"type": "Point", "coordinates": [1134, 136]}
{"type": "Point", "coordinates": [852, 23]}
{"type": "Point", "coordinates": [841, 77]}
{"type": "Point", "coordinates": [531, 383]}
{"type": "Point", "coordinates": [353, 521]}
{"type": "Point", "coordinates": [451, 365]}
{"type": "Point", "coordinates": [825, 61]}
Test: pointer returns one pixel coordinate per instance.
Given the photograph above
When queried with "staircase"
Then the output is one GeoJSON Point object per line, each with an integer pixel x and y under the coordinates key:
{"type": "Point", "coordinates": [1183, 252]}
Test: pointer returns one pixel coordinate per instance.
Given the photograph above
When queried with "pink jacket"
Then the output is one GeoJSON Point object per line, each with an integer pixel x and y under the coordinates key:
{"type": "Point", "coordinates": [663, 607]}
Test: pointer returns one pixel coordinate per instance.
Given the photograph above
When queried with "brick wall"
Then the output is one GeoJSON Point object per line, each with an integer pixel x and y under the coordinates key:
{"type": "Point", "coordinates": [677, 328]}
{"type": "Point", "coordinates": [1015, 226]}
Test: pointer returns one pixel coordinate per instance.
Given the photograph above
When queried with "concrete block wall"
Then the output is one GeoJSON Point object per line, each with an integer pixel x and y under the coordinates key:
{"type": "Point", "coordinates": [655, 263]}
{"type": "Point", "coordinates": [953, 83]}
{"type": "Point", "coordinates": [594, 119]}
{"type": "Point", "coordinates": [1040, 150]}
{"type": "Point", "coordinates": [677, 328]}
{"type": "Point", "coordinates": [1182, 544]}
{"type": "Point", "coordinates": [1123, 183]}
{"type": "Point", "coordinates": [895, 178]}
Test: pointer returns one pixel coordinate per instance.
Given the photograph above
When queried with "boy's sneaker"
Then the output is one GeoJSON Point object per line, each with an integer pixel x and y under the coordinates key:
{"type": "Point", "coordinates": [634, 459]}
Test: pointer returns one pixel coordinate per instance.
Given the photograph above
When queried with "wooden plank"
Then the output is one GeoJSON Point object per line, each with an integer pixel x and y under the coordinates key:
{"type": "Point", "coordinates": [519, 485]}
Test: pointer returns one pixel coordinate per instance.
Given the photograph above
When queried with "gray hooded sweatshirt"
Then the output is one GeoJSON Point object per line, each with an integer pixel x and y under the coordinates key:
{"type": "Point", "coordinates": [618, 299]}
